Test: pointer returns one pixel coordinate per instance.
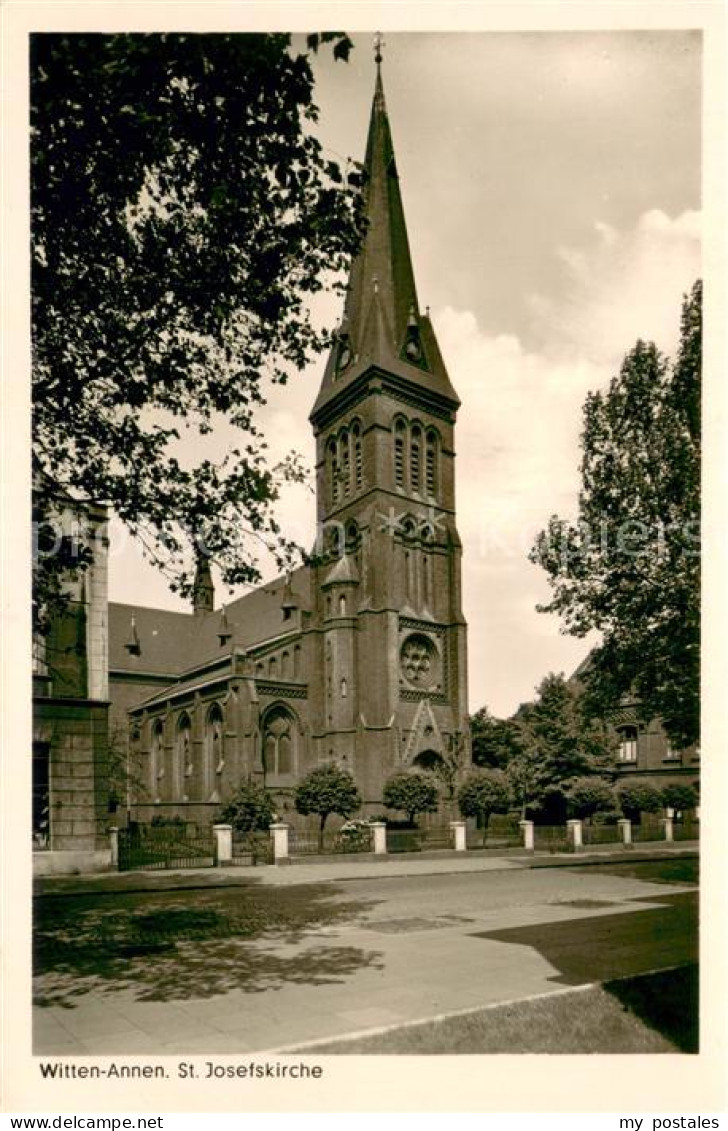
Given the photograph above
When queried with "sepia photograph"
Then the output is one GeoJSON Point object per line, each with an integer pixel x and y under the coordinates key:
{"type": "Point", "coordinates": [365, 476]}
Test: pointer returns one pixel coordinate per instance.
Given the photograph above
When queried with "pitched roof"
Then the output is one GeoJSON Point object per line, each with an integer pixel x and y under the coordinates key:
{"type": "Point", "coordinates": [381, 313]}
{"type": "Point", "coordinates": [173, 643]}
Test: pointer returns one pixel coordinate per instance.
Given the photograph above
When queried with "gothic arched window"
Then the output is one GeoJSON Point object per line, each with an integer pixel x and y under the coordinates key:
{"type": "Point", "coordinates": [285, 665]}
{"type": "Point", "coordinates": [400, 431]}
{"type": "Point", "coordinates": [345, 451]}
{"type": "Point", "coordinates": [333, 470]}
{"type": "Point", "coordinates": [431, 463]}
{"type": "Point", "coordinates": [156, 767]}
{"type": "Point", "coordinates": [184, 768]}
{"type": "Point", "coordinates": [358, 458]}
{"type": "Point", "coordinates": [214, 757]}
{"type": "Point", "coordinates": [415, 458]}
{"type": "Point", "coordinates": [279, 743]}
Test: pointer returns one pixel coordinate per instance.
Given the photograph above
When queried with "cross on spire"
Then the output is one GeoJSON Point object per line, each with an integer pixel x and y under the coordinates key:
{"type": "Point", "coordinates": [378, 45]}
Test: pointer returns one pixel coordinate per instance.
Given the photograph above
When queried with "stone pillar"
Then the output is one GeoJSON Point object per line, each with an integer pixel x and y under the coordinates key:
{"type": "Point", "coordinates": [379, 837]}
{"type": "Point", "coordinates": [625, 831]}
{"type": "Point", "coordinates": [527, 834]}
{"type": "Point", "coordinates": [114, 845]}
{"type": "Point", "coordinates": [458, 831]}
{"type": "Point", "coordinates": [575, 834]}
{"type": "Point", "coordinates": [223, 844]}
{"type": "Point", "coordinates": [279, 832]}
{"type": "Point", "coordinates": [668, 828]}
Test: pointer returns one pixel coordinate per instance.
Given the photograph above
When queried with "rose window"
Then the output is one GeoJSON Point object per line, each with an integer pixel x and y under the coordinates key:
{"type": "Point", "coordinates": [418, 660]}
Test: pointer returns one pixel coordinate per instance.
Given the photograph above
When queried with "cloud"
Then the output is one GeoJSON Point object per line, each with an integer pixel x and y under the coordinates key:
{"type": "Point", "coordinates": [620, 287]}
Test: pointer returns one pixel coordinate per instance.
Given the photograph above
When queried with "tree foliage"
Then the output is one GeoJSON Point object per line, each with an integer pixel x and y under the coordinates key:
{"type": "Point", "coordinates": [677, 795]}
{"type": "Point", "coordinates": [560, 742]}
{"type": "Point", "coordinates": [630, 566]}
{"type": "Point", "coordinates": [183, 213]}
{"type": "Point", "coordinates": [411, 793]}
{"type": "Point", "coordinates": [484, 792]}
{"type": "Point", "coordinates": [324, 791]}
{"type": "Point", "coordinates": [591, 795]}
{"type": "Point", "coordinates": [495, 742]}
{"type": "Point", "coordinates": [250, 809]}
{"type": "Point", "coordinates": [639, 797]}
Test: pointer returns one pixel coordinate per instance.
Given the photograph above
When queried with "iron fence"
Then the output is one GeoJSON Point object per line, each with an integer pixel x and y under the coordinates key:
{"type": "Point", "coordinates": [600, 834]}
{"type": "Point", "coordinates": [252, 849]}
{"type": "Point", "coordinates": [302, 842]}
{"type": "Point", "coordinates": [153, 848]}
{"type": "Point", "coordinates": [650, 827]}
{"type": "Point", "coordinates": [502, 832]}
{"type": "Point", "coordinates": [687, 828]}
{"type": "Point", "coordinates": [551, 838]}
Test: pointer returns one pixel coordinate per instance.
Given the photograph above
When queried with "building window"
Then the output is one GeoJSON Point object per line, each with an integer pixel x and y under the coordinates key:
{"type": "Point", "coordinates": [278, 743]}
{"type": "Point", "coordinates": [184, 768]}
{"type": "Point", "coordinates": [214, 758]}
{"type": "Point", "coordinates": [415, 459]}
{"type": "Point", "coordinates": [628, 744]}
{"type": "Point", "coordinates": [399, 436]}
{"type": "Point", "coordinates": [672, 755]}
{"type": "Point", "coordinates": [358, 458]}
{"type": "Point", "coordinates": [342, 605]}
{"type": "Point", "coordinates": [156, 769]}
{"type": "Point", "coordinates": [333, 471]}
{"type": "Point", "coordinates": [431, 464]}
{"type": "Point", "coordinates": [345, 450]}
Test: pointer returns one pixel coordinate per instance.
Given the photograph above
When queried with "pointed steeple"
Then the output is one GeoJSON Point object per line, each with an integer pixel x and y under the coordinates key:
{"type": "Point", "coordinates": [382, 324]}
{"type": "Point", "coordinates": [203, 597]}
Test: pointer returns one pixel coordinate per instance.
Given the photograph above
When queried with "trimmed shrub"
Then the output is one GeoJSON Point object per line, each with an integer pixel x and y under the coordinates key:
{"type": "Point", "coordinates": [679, 796]}
{"type": "Point", "coordinates": [484, 792]}
{"type": "Point", "coordinates": [411, 794]}
{"type": "Point", "coordinates": [590, 795]}
{"type": "Point", "coordinates": [639, 797]}
{"type": "Point", "coordinates": [250, 809]}
{"type": "Point", "coordinates": [324, 791]}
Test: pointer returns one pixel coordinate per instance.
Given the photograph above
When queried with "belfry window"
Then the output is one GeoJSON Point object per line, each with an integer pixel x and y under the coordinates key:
{"type": "Point", "coordinates": [431, 464]}
{"type": "Point", "coordinates": [358, 461]}
{"type": "Point", "coordinates": [346, 462]}
{"type": "Point", "coordinates": [415, 458]}
{"type": "Point", "coordinates": [399, 436]}
{"type": "Point", "coordinates": [333, 471]}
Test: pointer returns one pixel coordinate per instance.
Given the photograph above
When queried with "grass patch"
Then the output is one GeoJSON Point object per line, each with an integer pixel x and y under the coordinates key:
{"type": "Point", "coordinates": [650, 1013]}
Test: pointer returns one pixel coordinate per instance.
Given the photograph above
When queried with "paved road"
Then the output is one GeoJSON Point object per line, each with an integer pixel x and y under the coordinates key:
{"type": "Point", "coordinates": [398, 949]}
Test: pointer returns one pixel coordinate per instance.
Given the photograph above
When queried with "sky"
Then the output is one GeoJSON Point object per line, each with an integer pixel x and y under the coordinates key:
{"type": "Point", "coordinates": [552, 189]}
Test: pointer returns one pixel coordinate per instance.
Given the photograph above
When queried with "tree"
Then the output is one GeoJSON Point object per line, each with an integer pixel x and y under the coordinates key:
{"type": "Point", "coordinates": [638, 797]}
{"type": "Point", "coordinates": [591, 795]}
{"type": "Point", "coordinates": [560, 743]}
{"type": "Point", "coordinates": [676, 795]}
{"type": "Point", "coordinates": [484, 792]}
{"type": "Point", "coordinates": [324, 791]}
{"type": "Point", "coordinates": [251, 809]}
{"type": "Point", "coordinates": [411, 793]}
{"type": "Point", "coordinates": [495, 741]}
{"type": "Point", "coordinates": [630, 566]}
{"type": "Point", "coordinates": [182, 215]}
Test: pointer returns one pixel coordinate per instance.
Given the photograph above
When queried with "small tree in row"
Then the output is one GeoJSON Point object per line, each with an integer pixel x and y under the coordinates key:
{"type": "Point", "coordinates": [484, 792]}
{"type": "Point", "coordinates": [411, 794]}
{"type": "Point", "coordinates": [324, 791]}
{"type": "Point", "coordinates": [251, 809]}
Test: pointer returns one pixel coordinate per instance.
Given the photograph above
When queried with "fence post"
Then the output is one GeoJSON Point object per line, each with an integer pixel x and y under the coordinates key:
{"type": "Point", "coordinates": [279, 832]}
{"type": "Point", "coordinates": [625, 831]}
{"type": "Point", "coordinates": [223, 835]}
{"type": "Point", "coordinates": [114, 846]}
{"type": "Point", "coordinates": [669, 831]}
{"type": "Point", "coordinates": [458, 829]}
{"type": "Point", "coordinates": [575, 834]}
{"type": "Point", "coordinates": [527, 833]}
{"type": "Point", "coordinates": [379, 836]}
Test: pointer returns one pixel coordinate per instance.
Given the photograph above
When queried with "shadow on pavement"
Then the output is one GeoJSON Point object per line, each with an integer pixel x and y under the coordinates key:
{"type": "Point", "coordinates": [178, 945]}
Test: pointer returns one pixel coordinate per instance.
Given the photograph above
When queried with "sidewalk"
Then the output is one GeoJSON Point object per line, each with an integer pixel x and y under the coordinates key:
{"type": "Point", "coordinates": [351, 868]}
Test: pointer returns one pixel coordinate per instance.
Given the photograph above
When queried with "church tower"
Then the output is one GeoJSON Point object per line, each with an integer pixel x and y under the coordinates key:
{"type": "Point", "coordinates": [387, 581]}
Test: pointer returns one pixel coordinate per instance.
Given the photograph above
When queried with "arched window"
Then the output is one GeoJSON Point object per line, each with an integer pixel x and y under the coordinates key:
{"type": "Point", "coordinates": [344, 689]}
{"type": "Point", "coordinates": [415, 458]}
{"type": "Point", "coordinates": [260, 669]}
{"type": "Point", "coordinates": [279, 743]}
{"type": "Point", "coordinates": [296, 660]}
{"type": "Point", "coordinates": [358, 457]}
{"type": "Point", "coordinates": [285, 665]}
{"type": "Point", "coordinates": [214, 756]}
{"type": "Point", "coordinates": [345, 450]}
{"type": "Point", "coordinates": [333, 470]}
{"type": "Point", "coordinates": [400, 431]}
{"type": "Point", "coordinates": [184, 768]}
{"type": "Point", "coordinates": [342, 605]}
{"type": "Point", "coordinates": [273, 667]}
{"type": "Point", "coordinates": [156, 767]}
{"type": "Point", "coordinates": [431, 464]}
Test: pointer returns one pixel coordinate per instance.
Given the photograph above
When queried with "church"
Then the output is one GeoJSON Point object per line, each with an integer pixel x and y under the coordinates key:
{"type": "Point", "coordinates": [360, 657]}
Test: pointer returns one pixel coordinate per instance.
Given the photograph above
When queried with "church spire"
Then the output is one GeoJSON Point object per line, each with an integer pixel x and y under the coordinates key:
{"type": "Point", "coordinates": [382, 324]}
